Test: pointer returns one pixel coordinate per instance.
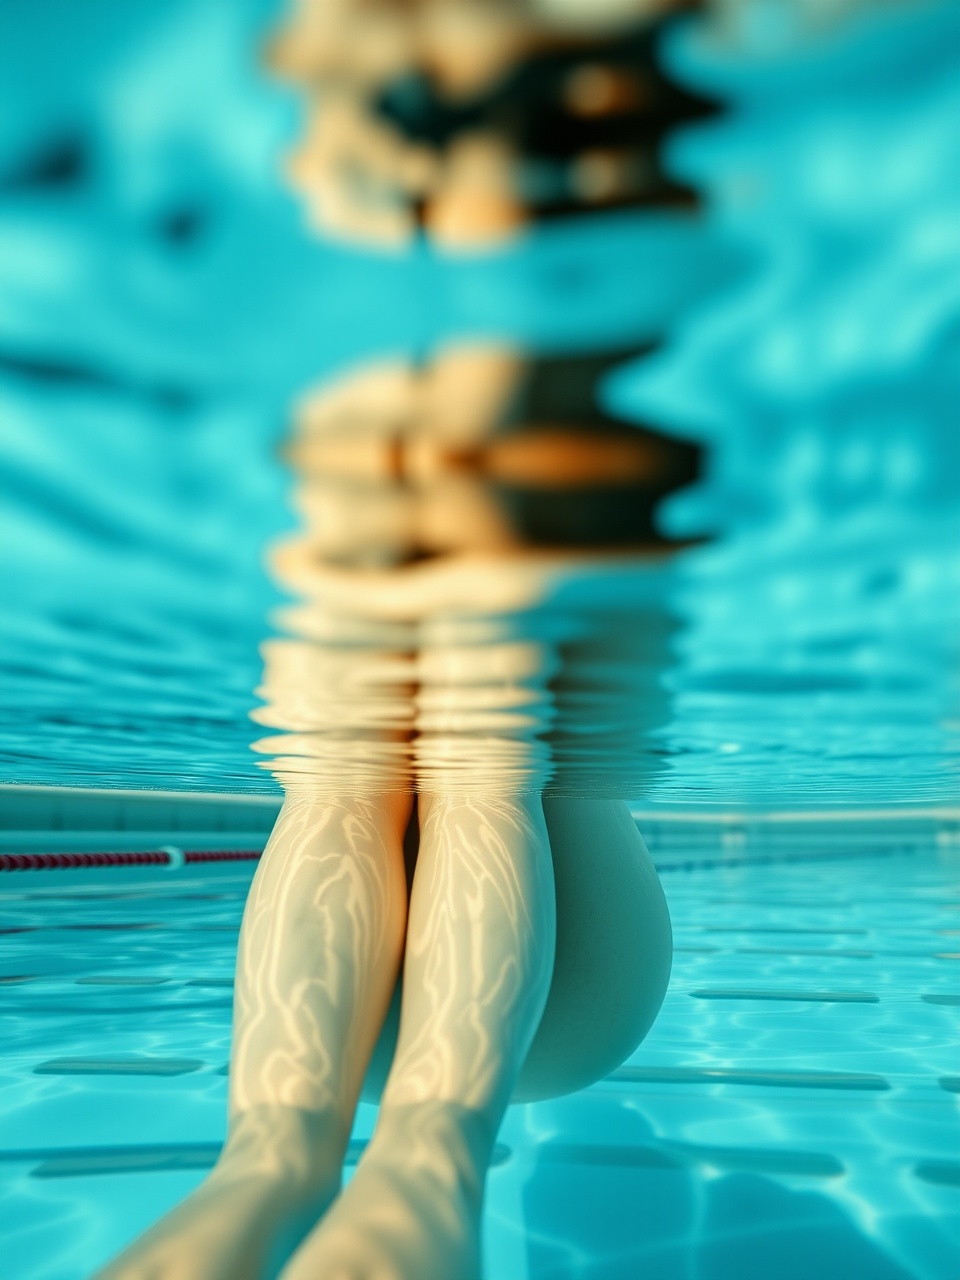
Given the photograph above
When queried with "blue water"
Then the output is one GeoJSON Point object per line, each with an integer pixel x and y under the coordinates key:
{"type": "Point", "coordinates": [794, 1111]}
{"type": "Point", "coordinates": [808, 329]}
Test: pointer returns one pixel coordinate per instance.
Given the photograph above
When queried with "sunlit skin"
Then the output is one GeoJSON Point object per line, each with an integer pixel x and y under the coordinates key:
{"type": "Point", "coordinates": [525, 910]}
{"type": "Point", "coordinates": [318, 955]}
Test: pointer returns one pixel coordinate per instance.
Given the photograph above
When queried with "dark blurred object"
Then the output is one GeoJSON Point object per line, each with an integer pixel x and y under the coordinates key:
{"type": "Point", "coordinates": [470, 121]}
{"type": "Point", "coordinates": [482, 448]}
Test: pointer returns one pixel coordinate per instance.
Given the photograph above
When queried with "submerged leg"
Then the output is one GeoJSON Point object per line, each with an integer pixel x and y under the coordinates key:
{"type": "Point", "coordinates": [614, 948]}
{"type": "Point", "coordinates": [479, 956]}
{"type": "Point", "coordinates": [613, 955]}
{"type": "Point", "coordinates": [319, 951]}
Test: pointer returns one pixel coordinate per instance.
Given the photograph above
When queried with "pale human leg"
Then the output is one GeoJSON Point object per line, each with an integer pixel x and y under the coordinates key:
{"type": "Point", "coordinates": [613, 938]}
{"type": "Point", "coordinates": [614, 948]}
{"type": "Point", "coordinates": [318, 957]}
{"type": "Point", "coordinates": [613, 958]}
{"type": "Point", "coordinates": [477, 968]}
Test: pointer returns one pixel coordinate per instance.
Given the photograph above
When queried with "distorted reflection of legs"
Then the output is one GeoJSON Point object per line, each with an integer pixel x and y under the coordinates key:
{"type": "Point", "coordinates": [319, 952]}
{"type": "Point", "coordinates": [477, 970]}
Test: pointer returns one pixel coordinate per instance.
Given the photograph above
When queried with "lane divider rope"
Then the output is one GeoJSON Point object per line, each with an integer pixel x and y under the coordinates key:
{"type": "Point", "coordinates": [168, 856]}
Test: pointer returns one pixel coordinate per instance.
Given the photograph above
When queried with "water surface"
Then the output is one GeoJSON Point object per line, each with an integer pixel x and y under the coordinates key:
{"type": "Point", "coordinates": [164, 306]}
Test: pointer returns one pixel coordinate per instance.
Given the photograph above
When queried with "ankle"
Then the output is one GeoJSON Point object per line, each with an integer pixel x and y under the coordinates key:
{"type": "Point", "coordinates": [439, 1140]}
{"type": "Point", "coordinates": [300, 1152]}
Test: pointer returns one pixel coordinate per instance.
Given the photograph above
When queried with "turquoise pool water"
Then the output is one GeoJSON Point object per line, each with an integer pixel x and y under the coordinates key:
{"type": "Point", "coordinates": [794, 1111]}
{"type": "Point", "coordinates": [806, 323]}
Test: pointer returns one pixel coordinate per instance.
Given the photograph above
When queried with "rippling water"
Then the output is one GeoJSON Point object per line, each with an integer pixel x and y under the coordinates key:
{"type": "Point", "coordinates": [162, 306]}
{"type": "Point", "coordinates": [792, 1113]}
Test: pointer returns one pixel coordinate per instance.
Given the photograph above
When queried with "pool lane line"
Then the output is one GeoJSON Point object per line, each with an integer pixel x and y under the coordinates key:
{"type": "Point", "coordinates": [82, 1162]}
{"type": "Point", "coordinates": [118, 1067]}
{"type": "Point", "coordinates": [942, 1173]}
{"type": "Point", "coordinates": [811, 997]}
{"type": "Point", "coordinates": [857, 1080]}
{"type": "Point", "coordinates": [680, 1156]}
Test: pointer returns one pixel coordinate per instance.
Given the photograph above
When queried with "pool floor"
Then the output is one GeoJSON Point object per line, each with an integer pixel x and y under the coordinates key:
{"type": "Point", "coordinates": [795, 1112]}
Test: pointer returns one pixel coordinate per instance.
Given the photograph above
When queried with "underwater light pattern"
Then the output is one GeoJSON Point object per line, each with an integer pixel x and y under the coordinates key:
{"type": "Point", "coordinates": [467, 418]}
{"type": "Point", "coordinates": [163, 304]}
{"type": "Point", "coordinates": [793, 1110]}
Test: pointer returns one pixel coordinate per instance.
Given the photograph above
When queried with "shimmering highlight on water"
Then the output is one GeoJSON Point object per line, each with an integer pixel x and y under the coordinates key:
{"type": "Point", "coordinates": [739, 1126]}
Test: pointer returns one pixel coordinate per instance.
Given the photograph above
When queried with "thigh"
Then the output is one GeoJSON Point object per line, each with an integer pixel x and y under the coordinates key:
{"type": "Point", "coordinates": [614, 948]}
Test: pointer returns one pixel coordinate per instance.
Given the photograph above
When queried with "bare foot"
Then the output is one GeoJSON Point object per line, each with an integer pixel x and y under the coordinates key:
{"type": "Point", "coordinates": [412, 1211]}
{"type": "Point", "coordinates": [278, 1172]}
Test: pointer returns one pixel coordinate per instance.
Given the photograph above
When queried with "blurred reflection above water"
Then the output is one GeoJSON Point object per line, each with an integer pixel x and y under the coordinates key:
{"type": "Point", "coordinates": [468, 119]}
{"type": "Point", "coordinates": [480, 449]}
{"type": "Point", "coordinates": [481, 578]}
{"type": "Point", "coordinates": [159, 305]}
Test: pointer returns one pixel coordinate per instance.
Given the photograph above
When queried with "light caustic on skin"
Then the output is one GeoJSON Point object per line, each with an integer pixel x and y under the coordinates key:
{"type": "Point", "coordinates": [410, 671]}
{"type": "Point", "coordinates": [477, 967]}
